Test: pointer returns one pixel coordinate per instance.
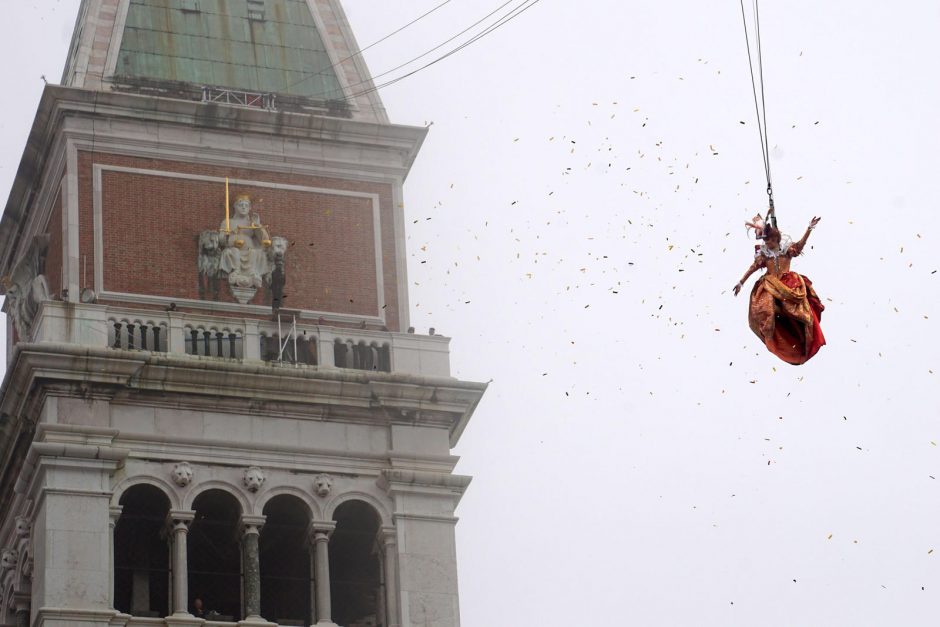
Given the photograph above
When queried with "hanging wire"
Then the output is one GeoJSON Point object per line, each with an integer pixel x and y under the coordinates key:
{"type": "Point", "coordinates": [513, 14]}
{"type": "Point", "coordinates": [760, 102]}
{"type": "Point", "coordinates": [361, 50]}
{"type": "Point", "coordinates": [369, 84]}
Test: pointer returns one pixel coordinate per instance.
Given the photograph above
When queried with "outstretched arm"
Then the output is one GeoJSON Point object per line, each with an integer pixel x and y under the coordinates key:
{"type": "Point", "coordinates": [758, 262]}
{"type": "Point", "coordinates": [797, 248]}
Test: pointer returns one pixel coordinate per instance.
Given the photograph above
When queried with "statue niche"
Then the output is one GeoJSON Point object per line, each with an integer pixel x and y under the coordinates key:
{"type": "Point", "coordinates": [26, 286]}
{"type": "Point", "coordinates": [243, 253]}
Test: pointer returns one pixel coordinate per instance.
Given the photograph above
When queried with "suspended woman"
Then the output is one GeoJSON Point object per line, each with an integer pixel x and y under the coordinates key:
{"type": "Point", "coordinates": [784, 310]}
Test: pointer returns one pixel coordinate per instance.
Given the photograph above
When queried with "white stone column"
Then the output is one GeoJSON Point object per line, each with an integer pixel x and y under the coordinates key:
{"type": "Point", "coordinates": [251, 341]}
{"type": "Point", "coordinates": [313, 581]}
{"type": "Point", "coordinates": [321, 532]}
{"type": "Point", "coordinates": [176, 335]}
{"type": "Point", "coordinates": [115, 513]}
{"type": "Point", "coordinates": [389, 539]}
{"type": "Point", "coordinates": [179, 522]}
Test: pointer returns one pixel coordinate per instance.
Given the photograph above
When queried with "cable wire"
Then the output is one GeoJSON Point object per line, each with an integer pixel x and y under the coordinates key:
{"type": "Point", "coordinates": [760, 102]}
{"type": "Point", "coordinates": [511, 15]}
{"type": "Point", "coordinates": [420, 56]}
{"type": "Point", "coordinates": [372, 45]}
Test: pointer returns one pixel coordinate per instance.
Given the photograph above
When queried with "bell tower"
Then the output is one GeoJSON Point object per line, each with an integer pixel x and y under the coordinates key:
{"type": "Point", "coordinates": [215, 409]}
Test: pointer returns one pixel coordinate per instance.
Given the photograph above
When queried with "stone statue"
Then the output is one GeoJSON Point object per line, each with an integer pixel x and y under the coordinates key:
{"type": "Point", "coordinates": [210, 260]}
{"type": "Point", "coordinates": [245, 243]}
{"type": "Point", "coordinates": [26, 287]}
{"type": "Point", "coordinates": [277, 277]}
{"type": "Point", "coordinates": [254, 478]}
{"type": "Point", "coordinates": [244, 253]}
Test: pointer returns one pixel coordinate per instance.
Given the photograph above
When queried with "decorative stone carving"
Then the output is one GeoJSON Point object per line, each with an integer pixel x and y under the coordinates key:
{"type": "Point", "coordinates": [26, 286]}
{"type": "Point", "coordinates": [254, 478]}
{"type": "Point", "coordinates": [323, 485]}
{"type": "Point", "coordinates": [277, 278]}
{"type": "Point", "coordinates": [23, 527]}
{"type": "Point", "coordinates": [8, 560]}
{"type": "Point", "coordinates": [210, 260]}
{"type": "Point", "coordinates": [243, 252]}
{"type": "Point", "coordinates": [182, 474]}
{"type": "Point", "coordinates": [28, 567]}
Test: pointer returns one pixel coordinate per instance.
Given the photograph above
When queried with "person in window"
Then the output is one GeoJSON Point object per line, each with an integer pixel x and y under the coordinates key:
{"type": "Point", "coordinates": [784, 310]}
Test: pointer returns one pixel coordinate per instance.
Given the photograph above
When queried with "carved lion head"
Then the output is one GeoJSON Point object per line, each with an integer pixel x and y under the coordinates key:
{"type": "Point", "coordinates": [8, 559]}
{"type": "Point", "coordinates": [254, 478]}
{"type": "Point", "coordinates": [182, 474]}
{"type": "Point", "coordinates": [323, 485]}
{"type": "Point", "coordinates": [279, 246]}
{"type": "Point", "coordinates": [209, 240]}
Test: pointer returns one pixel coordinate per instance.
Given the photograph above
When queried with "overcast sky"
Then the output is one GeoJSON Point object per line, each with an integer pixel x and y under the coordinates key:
{"type": "Point", "coordinates": [576, 225]}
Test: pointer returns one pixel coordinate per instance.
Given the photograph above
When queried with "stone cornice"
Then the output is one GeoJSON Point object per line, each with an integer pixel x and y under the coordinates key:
{"type": "Point", "coordinates": [139, 377]}
{"type": "Point", "coordinates": [400, 481]}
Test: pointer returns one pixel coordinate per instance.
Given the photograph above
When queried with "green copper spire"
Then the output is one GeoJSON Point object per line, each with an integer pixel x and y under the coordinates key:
{"type": "Point", "coordinates": [268, 46]}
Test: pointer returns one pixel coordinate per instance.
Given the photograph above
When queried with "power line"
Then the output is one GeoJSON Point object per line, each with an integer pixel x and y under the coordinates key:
{"type": "Point", "coordinates": [372, 45]}
{"type": "Point", "coordinates": [516, 12]}
{"type": "Point", "coordinates": [422, 55]}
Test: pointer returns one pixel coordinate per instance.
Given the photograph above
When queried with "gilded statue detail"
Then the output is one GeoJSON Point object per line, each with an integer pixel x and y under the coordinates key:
{"type": "Point", "coordinates": [243, 253]}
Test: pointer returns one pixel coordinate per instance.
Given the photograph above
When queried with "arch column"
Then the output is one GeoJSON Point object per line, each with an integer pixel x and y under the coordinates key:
{"type": "Point", "coordinates": [388, 537]}
{"type": "Point", "coordinates": [114, 513]}
{"type": "Point", "coordinates": [320, 533]}
{"type": "Point", "coordinates": [22, 605]}
{"type": "Point", "coordinates": [179, 522]}
{"type": "Point", "coordinates": [250, 531]}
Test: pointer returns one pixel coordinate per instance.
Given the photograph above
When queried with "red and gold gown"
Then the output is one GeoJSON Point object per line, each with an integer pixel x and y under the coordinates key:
{"type": "Point", "coordinates": [785, 311]}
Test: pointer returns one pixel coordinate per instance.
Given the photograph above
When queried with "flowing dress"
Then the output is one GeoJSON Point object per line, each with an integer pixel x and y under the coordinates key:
{"type": "Point", "coordinates": [785, 311]}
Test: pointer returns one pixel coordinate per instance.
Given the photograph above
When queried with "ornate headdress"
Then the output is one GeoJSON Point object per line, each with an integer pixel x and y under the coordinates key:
{"type": "Point", "coordinates": [761, 225]}
{"type": "Point", "coordinates": [758, 225]}
{"type": "Point", "coordinates": [243, 196]}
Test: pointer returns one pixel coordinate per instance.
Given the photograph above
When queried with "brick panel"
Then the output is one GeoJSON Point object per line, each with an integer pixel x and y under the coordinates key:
{"type": "Point", "coordinates": [151, 225]}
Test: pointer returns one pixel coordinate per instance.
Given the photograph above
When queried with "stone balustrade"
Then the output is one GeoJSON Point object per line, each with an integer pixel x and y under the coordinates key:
{"type": "Point", "coordinates": [220, 337]}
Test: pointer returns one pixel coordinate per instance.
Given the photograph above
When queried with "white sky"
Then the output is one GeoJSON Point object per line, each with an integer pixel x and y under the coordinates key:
{"type": "Point", "coordinates": [639, 458]}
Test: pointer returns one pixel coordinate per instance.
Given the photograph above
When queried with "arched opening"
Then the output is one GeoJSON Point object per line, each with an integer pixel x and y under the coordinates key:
{"type": "Point", "coordinates": [285, 562]}
{"type": "Point", "coordinates": [355, 567]}
{"type": "Point", "coordinates": [141, 553]}
{"type": "Point", "coordinates": [214, 556]}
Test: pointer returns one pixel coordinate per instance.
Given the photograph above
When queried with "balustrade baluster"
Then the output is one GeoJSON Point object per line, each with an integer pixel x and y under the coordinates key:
{"type": "Point", "coordinates": [117, 334]}
{"type": "Point", "coordinates": [207, 342]}
{"type": "Point", "coordinates": [156, 338]}
{"type": "Point", "coordinates": [143, 337]}
{"type": "Point", "coordinates": [130, 337]}
{"type": "Point", "coordinates": [218, 343]}
{"type": "Point", "coordinates": [231, 346]}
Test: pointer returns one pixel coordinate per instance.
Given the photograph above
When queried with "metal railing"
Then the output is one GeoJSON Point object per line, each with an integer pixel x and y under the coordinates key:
{"type": "Point", "coordinates": [253, 100]}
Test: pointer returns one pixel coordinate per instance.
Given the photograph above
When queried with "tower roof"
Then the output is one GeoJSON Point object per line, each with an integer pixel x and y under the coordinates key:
{"type": "Point", "coordinates": [263, 46]}
{"type": "Point", "coordinates": [303, 51]}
